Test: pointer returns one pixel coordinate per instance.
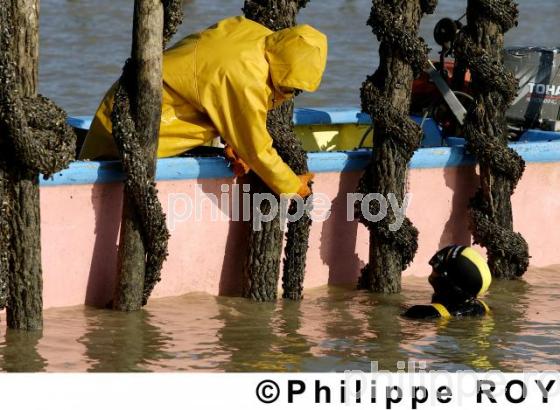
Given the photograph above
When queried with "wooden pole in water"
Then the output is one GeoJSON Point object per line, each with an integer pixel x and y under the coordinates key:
{"type": "Point", "coordinates": [262, 264]}
{"type": "Point", "coordinates": [25, 283]}
{"type": "Point", "coordinates": [146, 63]}
{"type": "Point", "coordinates": [386, 97]}
{"type": "Point", "coordinates": [34, 139]}
{"type": "Point", "coordinates": [136, 119]}
{"type": "Point", "coordinates": [481, 47]}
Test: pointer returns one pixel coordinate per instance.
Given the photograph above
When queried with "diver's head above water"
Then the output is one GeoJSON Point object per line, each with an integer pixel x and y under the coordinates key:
{"type": "Point", "coordinates": [459, 274]}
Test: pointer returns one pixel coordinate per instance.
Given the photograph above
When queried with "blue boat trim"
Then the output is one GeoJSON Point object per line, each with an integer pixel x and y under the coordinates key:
{"type": "Point", "coordinates": [534, 146]}
{"type": "Point", "coordinates": [328, 116]}
{"type": "Point", "coordinates": [169, 169]}
{"type": "Point", "coordinates": [80, 122]}
{"type": "Point", "coordinates": [302, 116]}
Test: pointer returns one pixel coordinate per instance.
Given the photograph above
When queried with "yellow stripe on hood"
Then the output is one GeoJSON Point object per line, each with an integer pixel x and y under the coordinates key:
{"type": "Point", "coordinates": [482, 267]}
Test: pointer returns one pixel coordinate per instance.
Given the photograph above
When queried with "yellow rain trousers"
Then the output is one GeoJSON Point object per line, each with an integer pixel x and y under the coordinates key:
{"type": "Point", "coordinates": [223, 81]}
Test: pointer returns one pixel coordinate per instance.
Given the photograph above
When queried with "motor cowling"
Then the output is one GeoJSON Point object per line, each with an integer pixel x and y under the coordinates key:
{"type": "Point", "coordinates": [537, 104]}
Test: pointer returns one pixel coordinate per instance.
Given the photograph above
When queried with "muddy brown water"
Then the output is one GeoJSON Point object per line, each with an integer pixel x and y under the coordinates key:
{"type": "Point", "coordinates": [332, 329]}
{"type": "Point", "coordinates": [84, 44]}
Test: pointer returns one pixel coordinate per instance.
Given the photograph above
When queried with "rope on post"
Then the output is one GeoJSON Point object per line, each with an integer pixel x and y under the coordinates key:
{"type": "Point", "coordinates": [34, 138]}
{"type": "Point", "coordinates": [385, 97]}
{"type": "Point", "coordinates": [34, 133]}
{"type": "Point", "coordinates": [480, 46]}
{"type": "Point", "coordinates": [139, 170]}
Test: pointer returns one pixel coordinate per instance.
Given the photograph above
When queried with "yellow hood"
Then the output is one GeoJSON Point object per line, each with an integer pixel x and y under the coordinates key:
{"type": "Point", "coordinates": [297, 57]}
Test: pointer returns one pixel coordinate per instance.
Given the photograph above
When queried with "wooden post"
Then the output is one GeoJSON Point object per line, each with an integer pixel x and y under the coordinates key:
{"type": "Point", "coordinates": [262, 264]}
{"type": "Point", "coordinates": [21, 218]}
{"type": "Point", "coordinates": [386, 97]}
{"type": "Point", "coordinates": [146, 60]}
{"type": "Point", "coordinates": [4, 235]}
{"type": "Point", "coordinates": [481, 46]}
{"type": "Point", "coordinates": [34, 139]}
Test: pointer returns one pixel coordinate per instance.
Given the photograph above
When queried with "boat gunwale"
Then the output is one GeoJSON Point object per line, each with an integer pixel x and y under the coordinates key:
{"type": "Point", "coordinates": [185, 168]}
{"type": "Point", "coordinates": [535, 146]}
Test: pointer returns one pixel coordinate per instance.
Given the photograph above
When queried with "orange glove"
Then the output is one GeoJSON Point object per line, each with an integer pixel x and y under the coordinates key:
{"type": "Point", "coordinates": [238, 166]}
{"type": "Point", "coordinates": [306, 180]}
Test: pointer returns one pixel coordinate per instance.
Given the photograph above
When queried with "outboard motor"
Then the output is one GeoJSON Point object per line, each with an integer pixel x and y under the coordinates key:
{"type": "Point", "coordinates": [537, 104]}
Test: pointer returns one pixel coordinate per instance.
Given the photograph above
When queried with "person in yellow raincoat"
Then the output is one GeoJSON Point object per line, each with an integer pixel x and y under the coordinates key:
{"type": "Point", "coordinates": [222, 81]}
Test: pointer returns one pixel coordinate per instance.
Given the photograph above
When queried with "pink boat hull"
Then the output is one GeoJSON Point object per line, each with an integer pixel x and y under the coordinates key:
{"type": "Point", "coordinates": [80, 232]}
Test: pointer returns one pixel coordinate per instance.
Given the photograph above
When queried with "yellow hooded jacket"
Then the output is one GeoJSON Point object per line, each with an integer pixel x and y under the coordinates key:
{"type": "Point", "coordinates": [223, 81]}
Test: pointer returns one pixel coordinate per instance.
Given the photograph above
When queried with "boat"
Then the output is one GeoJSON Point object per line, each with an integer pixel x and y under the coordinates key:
{"type": "Point", "coordinates": [81, 211]}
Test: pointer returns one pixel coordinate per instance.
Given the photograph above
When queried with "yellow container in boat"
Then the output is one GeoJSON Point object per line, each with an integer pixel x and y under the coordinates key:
{"type": "Point", "coordinates": [335, 137]}
{"type": "Point", "coordinates": [332, 129]}
{"type": "Point", "coordinates": [346, 129]}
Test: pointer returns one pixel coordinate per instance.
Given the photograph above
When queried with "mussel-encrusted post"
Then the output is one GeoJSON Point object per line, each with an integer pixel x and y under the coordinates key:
{"type": "Point", "coordinates": [480, 45]}
{"type": "Point", "coordinates": [34, 139]}
{"type": "Point", "coordinates": [136, 118]}
{"type": "Point", "coordinates": [386, 97]}
{"type": "Point", "coordinates": [262, 264]}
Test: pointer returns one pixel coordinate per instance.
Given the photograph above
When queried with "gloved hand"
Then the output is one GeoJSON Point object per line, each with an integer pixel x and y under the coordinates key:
{"type": "Point", "coordinates": [238, 166]}
{"type": "Point", "coordinates": [305, 189]}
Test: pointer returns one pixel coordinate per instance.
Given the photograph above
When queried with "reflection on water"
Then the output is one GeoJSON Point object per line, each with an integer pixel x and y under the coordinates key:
{"type": "Point", "coordinates": [132, 343]}
{"type": "Point", "coordinates": [85, 43]}
{"type": "Point", "coordinates": [274, 344]}
{"type": "Point", "coordinates": [19, 353]}
{"type": "Point", "coordinates": [332, 329]}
